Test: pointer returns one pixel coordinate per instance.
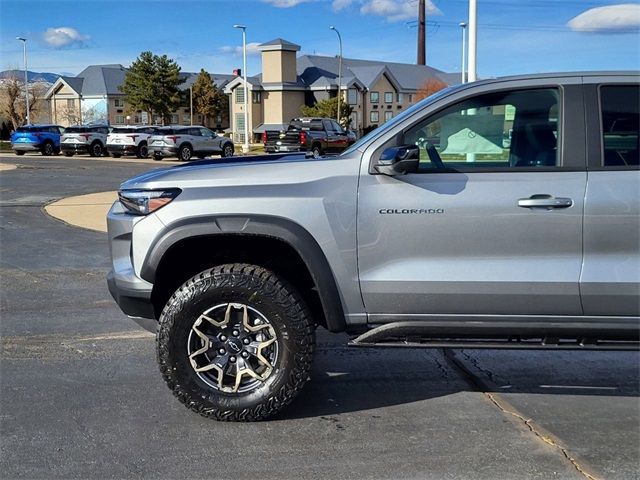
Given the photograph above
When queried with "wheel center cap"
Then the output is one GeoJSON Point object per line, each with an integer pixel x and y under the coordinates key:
{"type": "Point", "coordinates": [235, 345]}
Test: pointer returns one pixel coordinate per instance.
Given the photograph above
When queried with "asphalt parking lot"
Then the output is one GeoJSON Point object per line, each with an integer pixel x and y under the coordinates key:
{"type": "Point", "coordinates": [81, 396]}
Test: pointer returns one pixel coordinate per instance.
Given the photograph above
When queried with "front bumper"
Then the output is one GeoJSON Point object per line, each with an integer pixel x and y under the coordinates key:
{"type": "Point", "coordinates": [122, 149]}
{"type": "Point", "coordinates": [25, 147]}
{"type": "Point", "coordinates": [131, 293]}
{"type": "Point", "coordinates": [74, 148]}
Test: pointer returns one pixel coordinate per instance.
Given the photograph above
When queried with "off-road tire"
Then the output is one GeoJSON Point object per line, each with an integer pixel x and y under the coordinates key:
{"type": "Point", "coordinates": [257, 288]}
{"type": "Point", "coordinates": [157, 157]}
{"type": "Point", "coordinates": [316, 151]}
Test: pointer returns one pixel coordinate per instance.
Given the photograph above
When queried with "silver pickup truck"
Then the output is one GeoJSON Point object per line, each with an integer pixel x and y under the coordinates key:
{"type": "Point", "coordinates": [498, 214]}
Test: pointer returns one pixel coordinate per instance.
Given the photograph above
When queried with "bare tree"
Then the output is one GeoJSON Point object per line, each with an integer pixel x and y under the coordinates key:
{"type": "Point", "coordinates": [12, 101]}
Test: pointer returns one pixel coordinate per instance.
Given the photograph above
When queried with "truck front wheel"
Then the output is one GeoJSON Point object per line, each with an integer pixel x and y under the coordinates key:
{"type": "Point", "coordinates": [236, 343]}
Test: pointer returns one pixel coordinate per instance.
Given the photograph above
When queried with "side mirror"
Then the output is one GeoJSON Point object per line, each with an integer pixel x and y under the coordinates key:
{"type": "Point", "coordinates": [398, 160]}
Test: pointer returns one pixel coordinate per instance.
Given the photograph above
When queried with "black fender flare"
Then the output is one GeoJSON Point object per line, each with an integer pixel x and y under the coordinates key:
{"type": "Point", "coordinates": [279, 228]}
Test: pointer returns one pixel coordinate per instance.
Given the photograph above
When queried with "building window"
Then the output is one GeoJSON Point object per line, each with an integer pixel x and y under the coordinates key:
{"type": "Point", "coordinates": [352, 96]}
{"type": "Point", "coordinates": [399, 98]}
{"type": "Point", "coordinates": [71, 103]}
{"type": "Point", "coordinates": [374, 117]}
{"type": "Point", "coordinates": [119, 102]}
{"type": "Point", "coordinates": [240, 94]}
{"type": "Point", "coordinates": [174, 119]}
{"type": "Point", "coordinates": [256, 97]}
{"type": "Point", "coordinates": [375, 97]}
{"type": "Point", "coordinates": [411, 98]}
{"type": "Point", "coordinates": [186, 119]}
{"type": "Point", "coordinates": [388, 97]}
{"type": "Point", "coordinates": [120, 119]}
{"type": "Point", "coordinates": [388, 116]}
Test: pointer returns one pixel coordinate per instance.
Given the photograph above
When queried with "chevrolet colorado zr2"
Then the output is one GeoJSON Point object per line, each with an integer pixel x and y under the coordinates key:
{"type": "Point", "coordinates": [432, 230]}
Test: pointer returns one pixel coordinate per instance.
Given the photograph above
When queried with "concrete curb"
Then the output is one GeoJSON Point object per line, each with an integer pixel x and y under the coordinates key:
{"type": "Point", "coordinates": [84, 211]}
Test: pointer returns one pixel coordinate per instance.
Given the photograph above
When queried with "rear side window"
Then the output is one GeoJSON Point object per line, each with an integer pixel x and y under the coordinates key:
{"type": "Point", "coordinates": [620, 125]}
{"type": "Point", "coordinates": [76, 130]}
{"type": "Point", "coordinates": [24, 129]}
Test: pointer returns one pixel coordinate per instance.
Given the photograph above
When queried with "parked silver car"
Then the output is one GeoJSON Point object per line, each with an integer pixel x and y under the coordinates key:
{"type": "Point", "coordinates": [185, 142]}
{"type": "Point", "coordinates": [89, 139]}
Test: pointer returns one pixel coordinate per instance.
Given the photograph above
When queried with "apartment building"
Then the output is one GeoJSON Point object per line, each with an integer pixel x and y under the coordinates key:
{"type": "Point", "coordinates": [94, 96]}
{"type": "Point", "coordinates": [377, 91]}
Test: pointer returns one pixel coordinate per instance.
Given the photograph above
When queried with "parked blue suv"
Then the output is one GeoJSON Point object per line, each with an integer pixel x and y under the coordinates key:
{"type": "Point", "coordinates": [43, 138]}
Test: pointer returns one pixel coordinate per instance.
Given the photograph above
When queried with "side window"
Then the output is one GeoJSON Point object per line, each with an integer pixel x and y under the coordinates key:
{"type": "Point", "coordinates": [336, 127]}
{"type": "Point", "coordinates": [620, 125]}
{"type": "Point", "coordinates": [205, 132]}
{"type": "Point", "coordinates": [506, 129]}
{"type": "Point", "coordinates": [194, 132]}
{"type": "Point", "coordinates": [327, 125]}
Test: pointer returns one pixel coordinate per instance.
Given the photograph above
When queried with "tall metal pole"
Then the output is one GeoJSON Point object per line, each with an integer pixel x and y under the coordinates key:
{"type": "Point", "coordinates": [422, 35]}
{"type": "Point", "coordinates": [464, 51]}
{"type": "Point", "coordinates": [339, 71]}
{"type": "Point", "coordinates": [245, 145]}
{"type": "Point", "coordinates": [26, 78]}
{"type": "Point", "coordinates": [191, 103]}
{"type": "Point", "coordinates": [473, 36]}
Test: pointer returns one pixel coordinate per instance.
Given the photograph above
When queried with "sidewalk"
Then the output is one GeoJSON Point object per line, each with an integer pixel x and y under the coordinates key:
{"type": "Point", "coordinates": [84, 211]}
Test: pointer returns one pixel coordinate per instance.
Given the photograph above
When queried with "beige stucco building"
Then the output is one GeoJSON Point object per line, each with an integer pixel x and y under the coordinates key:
{"type": "Point", "coordinates": [377, 91]}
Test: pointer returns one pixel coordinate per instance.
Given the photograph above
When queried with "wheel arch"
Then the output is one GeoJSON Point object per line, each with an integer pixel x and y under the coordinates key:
{"type": "Point", "coordinates": [256, 238]}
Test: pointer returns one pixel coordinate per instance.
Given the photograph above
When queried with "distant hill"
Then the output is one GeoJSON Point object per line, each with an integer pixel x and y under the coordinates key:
{"type": "Point", "coordinates": [31, 76]}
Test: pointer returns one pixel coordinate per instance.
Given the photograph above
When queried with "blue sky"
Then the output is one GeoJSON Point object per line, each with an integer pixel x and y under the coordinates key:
{"type": "Point", "coordinates": [514, 36]}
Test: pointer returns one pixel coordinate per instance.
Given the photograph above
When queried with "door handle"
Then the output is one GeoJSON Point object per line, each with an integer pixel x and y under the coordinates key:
{"type": "Point", "coordinates": [546, 202]}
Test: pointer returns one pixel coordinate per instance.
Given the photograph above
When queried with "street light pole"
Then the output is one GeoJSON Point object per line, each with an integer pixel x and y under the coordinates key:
{"type": "Point", "coordinates": [463, 25]}
{"type": "Point", "coordinates": [191, 103]}
{"type": "Point", "coordinates": [339, 71]}
{"type": "Point", "coordinates": [26, 79]}
{"type": "Point", "coordinates": [473, 37]}
{"type": "Point", "coordinates": [245, 146]}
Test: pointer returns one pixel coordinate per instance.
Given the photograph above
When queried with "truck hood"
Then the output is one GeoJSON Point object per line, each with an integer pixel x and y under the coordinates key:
{"type": "Point", "coordinates": [261, 169]}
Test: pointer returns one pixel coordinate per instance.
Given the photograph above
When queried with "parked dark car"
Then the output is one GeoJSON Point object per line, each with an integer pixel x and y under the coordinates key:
{"type": "Point", "coordinates": [316, 135]}
{"type": "Point", "coordinates": [37, 138]}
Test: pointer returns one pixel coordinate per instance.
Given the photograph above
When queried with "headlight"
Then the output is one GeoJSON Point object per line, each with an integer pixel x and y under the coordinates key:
{"type": "Point", "coordinates": [144, 202]}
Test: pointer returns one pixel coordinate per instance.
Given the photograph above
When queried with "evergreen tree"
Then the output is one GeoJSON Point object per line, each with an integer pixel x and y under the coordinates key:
{"type": "Point", "coordinates": [167, 81]}
{"type": "Point", "coordinates": [139, 84]}
{"type": "Point", "coordinates": [329, 109]}
{"type": "Point", "coordinates": [151, 84]}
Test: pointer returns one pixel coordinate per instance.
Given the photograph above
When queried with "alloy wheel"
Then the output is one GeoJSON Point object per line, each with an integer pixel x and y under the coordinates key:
{"type": "Point", "coordinates": [232, 347]}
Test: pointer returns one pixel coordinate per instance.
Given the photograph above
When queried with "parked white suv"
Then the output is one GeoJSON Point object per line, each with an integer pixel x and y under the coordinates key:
{"type": "Point", "coordinates": [187, 141]}
{"type": "Point", "coordinates": [129, 140]}
{"type": "Point", "coordinates": [89, 139]}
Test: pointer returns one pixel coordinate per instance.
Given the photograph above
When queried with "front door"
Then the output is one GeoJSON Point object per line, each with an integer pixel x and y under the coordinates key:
{"type": "Point", "coordinates": [492, 221]}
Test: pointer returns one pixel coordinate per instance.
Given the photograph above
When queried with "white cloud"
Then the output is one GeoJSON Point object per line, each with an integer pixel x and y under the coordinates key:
{"type": "Point", "coordinates": [609, 19]}
{"type": "Point", "coordinates": [285, 3]}
{"type": "Point", "coordinates": [338, 5]}
{"type": "Point", "coordinates": [396, 10]}
{"type": "Point", "coordinates": [59, 37]}
{"type": "Point", "coordinates": [252, 49]}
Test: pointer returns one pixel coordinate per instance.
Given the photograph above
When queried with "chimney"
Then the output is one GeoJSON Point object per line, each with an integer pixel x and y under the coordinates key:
{"type": "Point", "coordinates": [421, 33]}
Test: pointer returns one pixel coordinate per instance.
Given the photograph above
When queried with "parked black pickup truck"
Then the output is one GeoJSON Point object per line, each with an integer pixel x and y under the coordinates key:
{"type": "Point", "coordinates": [316, 135]}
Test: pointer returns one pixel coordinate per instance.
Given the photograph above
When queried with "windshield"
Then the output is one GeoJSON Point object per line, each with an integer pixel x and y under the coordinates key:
{"type": "Point", "coordinates": [399, 118]}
